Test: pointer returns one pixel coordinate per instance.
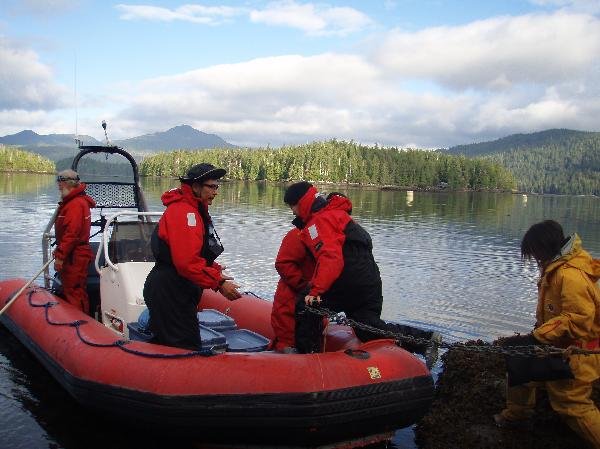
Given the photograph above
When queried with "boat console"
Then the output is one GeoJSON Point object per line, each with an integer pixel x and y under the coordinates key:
{"type": "Point", "coordinates": [125, 247]}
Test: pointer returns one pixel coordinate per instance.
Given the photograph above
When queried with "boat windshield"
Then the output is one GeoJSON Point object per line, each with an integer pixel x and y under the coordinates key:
{"type": "Point", "coordinates": [130, 241]}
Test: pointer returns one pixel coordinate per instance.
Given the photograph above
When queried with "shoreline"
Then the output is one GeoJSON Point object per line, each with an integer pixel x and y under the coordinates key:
{"type": "Point", "coordinates": [431, 189]}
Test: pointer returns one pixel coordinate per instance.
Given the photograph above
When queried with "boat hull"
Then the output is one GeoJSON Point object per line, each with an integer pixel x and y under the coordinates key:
{"type": "Point", "coordinates": [360, 389]}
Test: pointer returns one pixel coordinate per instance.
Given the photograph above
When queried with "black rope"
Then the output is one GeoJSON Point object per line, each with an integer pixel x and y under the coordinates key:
{"type": "Point", "coordinates": [96, 233]}
{"type": "Point", "coordinates": [121, 344]}
{"type": "Point", "coordinates": [252, 293]}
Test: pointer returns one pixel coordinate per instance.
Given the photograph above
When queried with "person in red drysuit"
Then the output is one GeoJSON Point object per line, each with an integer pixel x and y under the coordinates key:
{"type": "Point", "coordinates": [346, 277]}
{"type": "Point", "coordinates": [73, 253]}
{"type": "Point", "coordinates": [295, 266]}
{"type": "Point", "coordinates": [185, 246]}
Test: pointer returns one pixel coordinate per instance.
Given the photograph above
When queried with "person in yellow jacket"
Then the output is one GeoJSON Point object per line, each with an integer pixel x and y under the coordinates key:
{"type": "Point", "coordinates": [568, 314]}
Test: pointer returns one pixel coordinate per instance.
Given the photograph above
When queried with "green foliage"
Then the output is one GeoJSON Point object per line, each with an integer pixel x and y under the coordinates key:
{"type": "Point", "coordinates": [555, 137]}
{"type": "Point", "coordinates": [558, 161]}
{"type": "Point", "coordinates": [572, 169]}
{"type": "Point", "coordinates": [14, 159]}
{"type": "Point", "coordinates": [339, 162]}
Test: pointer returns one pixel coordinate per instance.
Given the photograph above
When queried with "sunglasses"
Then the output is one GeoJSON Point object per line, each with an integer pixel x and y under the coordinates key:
{"type": "Point", "coordinates": [212, 186]}
{"type": "Point", "coordinates": [65, 178]}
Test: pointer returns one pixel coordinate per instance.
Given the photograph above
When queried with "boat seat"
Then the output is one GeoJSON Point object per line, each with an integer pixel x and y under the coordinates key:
{"type": "Point", "coordinates": [216, 320]}
{"type": "Point", "coordinates": [122, 293]}
{"type": "Point", "coordinates": [217, 331]}
{"type": "Point", "coordinates": [209, 338]}
{"type": "Point", "coordinates": [244, 340]}
{"type": "Point", "coordinates": [238, 340]}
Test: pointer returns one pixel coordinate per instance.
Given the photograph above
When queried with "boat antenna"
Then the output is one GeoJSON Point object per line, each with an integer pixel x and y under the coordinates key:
{"type": "Point", "coordinates": [77, 140]}
{"type": "Point", "coordinates": [105, 135]}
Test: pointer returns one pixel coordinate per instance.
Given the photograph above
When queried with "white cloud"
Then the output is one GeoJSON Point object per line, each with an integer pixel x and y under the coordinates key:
{"type": "Point", "coordinates": [27, 84]}
{"type": "Point", "coordinates": [207, 15]}
{"type": "Point", "coordinates": [497, 53]}
{"type": "Point", "coordinates": [432, 88]}
{"type": "Point", "coordinates": [295, 99]}
{"type": "Point", "coordinates": [313, 19]}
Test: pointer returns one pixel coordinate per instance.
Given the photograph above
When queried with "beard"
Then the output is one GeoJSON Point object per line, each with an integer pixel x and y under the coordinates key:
{"type": "Point", "coordinates": [64, 192]}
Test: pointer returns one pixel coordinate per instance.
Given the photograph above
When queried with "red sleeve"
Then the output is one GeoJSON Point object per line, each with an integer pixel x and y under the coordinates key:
{"type": "Point", "coordinates": [325, 238]}
{"type": "Point", "coordinates": [182, 228]}
{"type": "Point", "coordinates": [290, 260]}
{"type": "Point", "coordinates": [72, 228]}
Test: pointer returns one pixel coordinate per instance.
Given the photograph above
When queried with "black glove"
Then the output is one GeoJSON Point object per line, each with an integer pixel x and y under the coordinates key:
{"type": "Point", "coordinates": [525, 369]}
{"type": "Point", "coordinates": [519, 340]}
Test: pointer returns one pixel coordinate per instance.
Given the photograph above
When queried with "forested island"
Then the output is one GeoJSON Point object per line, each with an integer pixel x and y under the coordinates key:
{"type": "Point", "coordinates": [341, 162]}
{"type": "Point", "coordinates": [555, 161]}
{"type": "Point", "coordinates": [13, 159]}
{"type": "Point", "coordinates": [560, 161]}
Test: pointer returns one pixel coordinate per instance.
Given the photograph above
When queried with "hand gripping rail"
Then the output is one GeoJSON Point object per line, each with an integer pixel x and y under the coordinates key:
{"type": "Point", "coordinates": [106, 235]}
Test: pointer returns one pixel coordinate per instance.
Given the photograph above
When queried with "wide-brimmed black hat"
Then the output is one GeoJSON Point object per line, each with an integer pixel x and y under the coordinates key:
{"type": "Point", "coordinates": [296, 191]}
{"type": "Point", "coordinates": [201, 172]}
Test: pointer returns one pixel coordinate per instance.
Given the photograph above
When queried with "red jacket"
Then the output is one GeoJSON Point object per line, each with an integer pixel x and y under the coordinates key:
{"type": "Point", "coordinates": [73, 223]}
{"type": "Point", "coordinates": [324, 235]}
{"type": "Point", "coordinates": [182, 228]}
{"type": "Point", "coordinates": [295, 266]}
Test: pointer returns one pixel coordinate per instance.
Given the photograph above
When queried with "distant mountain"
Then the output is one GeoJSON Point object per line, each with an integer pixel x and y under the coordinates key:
{"type": "Point", "coordinates": [61, 146]}
{"type": "Point", "coordinates": [559, 137]}
{"type": "Point", "coordinates": [51, 146]}
{"type": "Point", "coordinates": [182, 137]}
{"type": "Point", "coordinates": [560, 161]}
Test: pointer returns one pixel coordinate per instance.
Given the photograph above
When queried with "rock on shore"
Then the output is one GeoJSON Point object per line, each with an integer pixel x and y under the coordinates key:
{"type": "Point", "coordinates": [470, 390]}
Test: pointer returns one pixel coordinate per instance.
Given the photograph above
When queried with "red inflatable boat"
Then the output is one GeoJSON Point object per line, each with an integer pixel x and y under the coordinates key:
{"type": "Point", "coordinates": [231, 392]}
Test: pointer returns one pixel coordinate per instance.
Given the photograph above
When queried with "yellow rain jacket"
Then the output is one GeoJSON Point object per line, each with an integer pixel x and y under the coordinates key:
{"type": "Point", "coordinates": [568, 310]}
{"type": "Point", "coordinates": [568, 313]}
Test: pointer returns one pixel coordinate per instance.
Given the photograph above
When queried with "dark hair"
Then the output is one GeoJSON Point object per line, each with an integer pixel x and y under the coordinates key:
{"type": "Point", "coordinates": [543, 241]}
{"type": "Point", "coordinates": [295, 192]}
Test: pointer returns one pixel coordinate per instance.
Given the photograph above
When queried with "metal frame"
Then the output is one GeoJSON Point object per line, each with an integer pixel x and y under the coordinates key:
{"type": "Point", "coordinates": [106, 236]}
{"type": "Point", "coordinates": [140, 200]}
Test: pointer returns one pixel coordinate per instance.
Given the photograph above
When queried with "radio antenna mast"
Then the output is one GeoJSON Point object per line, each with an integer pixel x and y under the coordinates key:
{"type": "Point", "coordinates": [75, 99]}
{"type": "Point", "coordinates": [105, 134]}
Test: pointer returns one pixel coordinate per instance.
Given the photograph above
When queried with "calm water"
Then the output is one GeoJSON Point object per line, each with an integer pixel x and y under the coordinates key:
{"type": "Point", "coordinates": [449, 261]}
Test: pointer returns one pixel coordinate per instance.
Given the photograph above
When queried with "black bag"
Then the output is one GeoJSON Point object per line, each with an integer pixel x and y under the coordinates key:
{"type": "Point", "coordinates": [526, 369]}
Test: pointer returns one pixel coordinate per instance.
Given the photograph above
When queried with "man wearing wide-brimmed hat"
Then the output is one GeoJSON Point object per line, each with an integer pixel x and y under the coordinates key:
{"type": "Point", "coordinates": [185, 245]}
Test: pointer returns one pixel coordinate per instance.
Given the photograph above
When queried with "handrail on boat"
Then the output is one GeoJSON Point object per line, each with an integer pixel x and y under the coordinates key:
{"type": "Point", "coordinates": [138, 196]}
{"type": "Point", "coordinates": [46, 237]}
{"type": "Point", "coordinates": [105, 235]}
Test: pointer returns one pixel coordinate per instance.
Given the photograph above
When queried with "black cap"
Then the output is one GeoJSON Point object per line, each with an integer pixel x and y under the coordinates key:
{"type": "Point", "coordinates": [296, 191]}
{"type": "Point", "coordinates": [201, 172]}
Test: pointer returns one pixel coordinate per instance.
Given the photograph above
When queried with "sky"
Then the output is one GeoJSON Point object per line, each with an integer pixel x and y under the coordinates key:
{"type": "Point", "coordinates": [402, 73]}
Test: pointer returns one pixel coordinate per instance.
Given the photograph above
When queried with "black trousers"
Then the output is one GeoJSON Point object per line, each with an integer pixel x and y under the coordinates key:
{"type": "Point", "coordinates": [361, 303]}
{"type": "Point", "coordinates": [173, 304]}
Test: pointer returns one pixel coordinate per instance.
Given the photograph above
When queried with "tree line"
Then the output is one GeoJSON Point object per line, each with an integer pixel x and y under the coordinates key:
{"type": "Point", "coordinates": [572, 169]}
{"type": "Point", "coordinates": [14, 159]}
{"type": "Point", "coordinates": [340, 162]}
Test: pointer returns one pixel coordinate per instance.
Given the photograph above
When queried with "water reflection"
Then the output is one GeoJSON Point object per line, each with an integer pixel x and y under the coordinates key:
{"type": "Point", "coordinates": [24, 184]}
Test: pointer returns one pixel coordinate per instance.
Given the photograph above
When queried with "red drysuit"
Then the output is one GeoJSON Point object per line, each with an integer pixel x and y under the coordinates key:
{"type": "Point", "coordinates": [72, 228]}
{"type": "Point", "coordinates": [295, 266]}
